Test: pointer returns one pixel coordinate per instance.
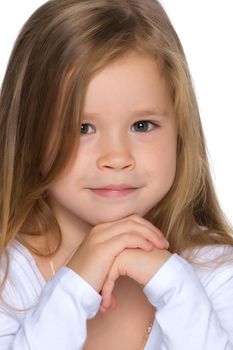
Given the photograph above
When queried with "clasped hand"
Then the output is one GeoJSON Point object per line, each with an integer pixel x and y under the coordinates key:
{"type": "Point", "coordinates": [131, 247]}
{"type": "Point", "coordinates": [137, 264]}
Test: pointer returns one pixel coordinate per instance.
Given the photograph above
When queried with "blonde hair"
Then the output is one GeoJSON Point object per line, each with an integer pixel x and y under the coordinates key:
{"type": "Point", "coordinates": [59, 49]}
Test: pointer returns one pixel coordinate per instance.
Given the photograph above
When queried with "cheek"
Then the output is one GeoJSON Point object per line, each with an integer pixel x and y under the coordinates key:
{"type": "Point", "coordinates": [66, 182]}
{"type": "Point", "coordinates": [163, 159]}
{"type": "Point", "coordinates": [168, 155]}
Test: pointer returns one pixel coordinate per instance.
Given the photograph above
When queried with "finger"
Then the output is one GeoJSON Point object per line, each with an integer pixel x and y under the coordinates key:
{"type": "Point", "coordinates": [107, 293]}
{"type": "Point", "coordinates": [140, 219]}
{"type": "Point", "coordinates": [148, 224]}
{"type": "Point", "coordinates": [108, 286]}
{"type": "Point", "coordinates": [112, 306]}
{"type": "Point", "coordinates": [113, 303]}
{"type": "Point", "coordinates": [102, 309]}
{"type": "Point", "coordinates": [128, 240]}
{"type": "Point", "coordinates": [131, 226]}
{"type": "Point", "coordinates": [150, 234]}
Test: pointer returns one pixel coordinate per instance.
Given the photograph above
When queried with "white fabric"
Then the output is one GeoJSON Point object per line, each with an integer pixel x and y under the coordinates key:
{"type": "Point", "coordinates": [194, 305]}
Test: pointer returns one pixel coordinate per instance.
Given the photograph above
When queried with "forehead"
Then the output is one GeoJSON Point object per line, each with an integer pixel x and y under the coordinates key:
{"type": "Point", "coordinates": [133, 83]}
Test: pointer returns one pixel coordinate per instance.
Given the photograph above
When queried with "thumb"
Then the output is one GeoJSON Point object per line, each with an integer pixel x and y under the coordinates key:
{"type": "Point", "coordinates": [112, 304]}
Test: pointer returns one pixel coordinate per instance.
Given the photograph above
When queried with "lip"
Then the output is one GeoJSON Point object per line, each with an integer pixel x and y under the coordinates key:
{"type": "Point", "coordinates": [114, 187]}
{"type": "Point", "coordinates": [110, 193]}
{"type": "Point", "coordinates": [113, 191]}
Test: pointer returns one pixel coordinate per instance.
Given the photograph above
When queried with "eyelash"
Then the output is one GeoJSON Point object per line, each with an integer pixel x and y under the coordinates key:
{"type": "Point", "coordinates": [139, 122]}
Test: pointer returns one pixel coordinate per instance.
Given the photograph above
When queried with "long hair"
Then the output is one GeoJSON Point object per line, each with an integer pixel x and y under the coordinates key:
{"type": "Point", "coordinates": [57, 52]}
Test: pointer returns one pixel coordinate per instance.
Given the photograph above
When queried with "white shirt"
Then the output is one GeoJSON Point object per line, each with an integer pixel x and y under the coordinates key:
{"type": "Point", "coordinates": [194, 305]}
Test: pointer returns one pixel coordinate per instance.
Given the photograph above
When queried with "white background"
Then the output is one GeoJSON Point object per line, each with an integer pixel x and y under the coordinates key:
{"type": "Point", "coordinates": [205, 28]}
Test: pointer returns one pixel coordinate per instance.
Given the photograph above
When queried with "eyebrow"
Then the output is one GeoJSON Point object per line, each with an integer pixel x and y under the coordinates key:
{"type": "Point", "coordinates": [147, 112]}
{"type": "Point", "coordinates": [137, 113]}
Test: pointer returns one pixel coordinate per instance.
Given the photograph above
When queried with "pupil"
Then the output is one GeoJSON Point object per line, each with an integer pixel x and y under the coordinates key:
{"type": "Point", "coordinates": [84, 128]}
{"type": "Point", "coordinates": [140, 126]}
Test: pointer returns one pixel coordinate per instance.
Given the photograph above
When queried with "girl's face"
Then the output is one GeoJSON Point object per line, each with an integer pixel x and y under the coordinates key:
{"type": "Point", "coordinates": [128, 136]}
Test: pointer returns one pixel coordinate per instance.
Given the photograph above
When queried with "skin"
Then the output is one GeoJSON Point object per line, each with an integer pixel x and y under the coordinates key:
{"type": "Point", "coordinates": [114, 149]}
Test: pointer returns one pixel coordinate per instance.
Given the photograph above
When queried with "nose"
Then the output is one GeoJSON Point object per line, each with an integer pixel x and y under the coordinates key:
{"type": "Point", "coordinates": [116, 157]}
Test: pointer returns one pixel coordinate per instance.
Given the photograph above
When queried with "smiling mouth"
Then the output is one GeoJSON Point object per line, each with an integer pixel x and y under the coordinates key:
{"type": "Point", "coordinates": [113, 193]}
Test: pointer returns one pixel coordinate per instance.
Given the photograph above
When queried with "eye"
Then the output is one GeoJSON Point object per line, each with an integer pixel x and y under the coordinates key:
{"type": "Point", "coordinates": [85, 128]}
{"type": "Point", "coordinates": [144, 125]}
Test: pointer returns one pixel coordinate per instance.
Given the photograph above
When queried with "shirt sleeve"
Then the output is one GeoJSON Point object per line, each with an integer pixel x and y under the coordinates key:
{"type": "Point", "coordinates": [189, 315]}
{"type": "Point", "coordinates": [59, 319]}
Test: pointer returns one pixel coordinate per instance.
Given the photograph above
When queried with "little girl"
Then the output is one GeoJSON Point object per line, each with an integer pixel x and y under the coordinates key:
{"type": "Point", "coordinates": [111, 235]}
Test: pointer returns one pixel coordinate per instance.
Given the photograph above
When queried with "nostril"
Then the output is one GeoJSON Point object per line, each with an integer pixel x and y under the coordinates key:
{"type": "Point", "coordinates": [116, 162]}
